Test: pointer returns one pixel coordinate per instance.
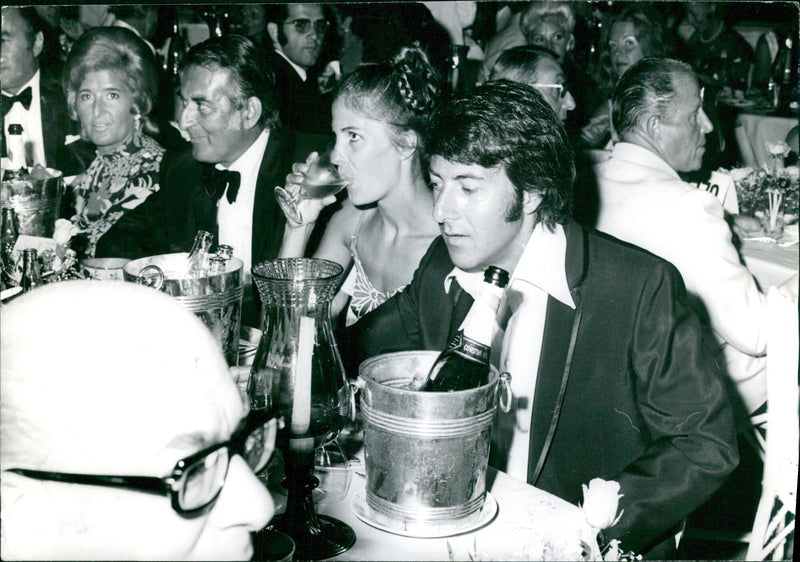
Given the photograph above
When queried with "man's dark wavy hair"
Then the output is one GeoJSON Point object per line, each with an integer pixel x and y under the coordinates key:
{"type": "Point", "coordinates": [509, 125]}
{"type": "Point", "coordinates": [249, 74]}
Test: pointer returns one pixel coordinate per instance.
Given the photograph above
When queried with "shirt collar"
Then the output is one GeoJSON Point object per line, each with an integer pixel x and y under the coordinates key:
{"type": "Point", "coordinates": [300, 70]}
{"type": "Point", "coordinates": [542, 264]}
{"type": "Point", "coordinates": [251, 157]}
{"type": "Point", "coordinates": [642, 156]}
{"type": "Point", "coordinates": [34, 85]}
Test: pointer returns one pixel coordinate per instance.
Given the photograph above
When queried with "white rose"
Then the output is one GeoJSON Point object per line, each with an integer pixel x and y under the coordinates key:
{"type": "Point", "coordinates": [793, 172]}
{"type": "Point", "coordinates": [63, 231]}
{"type": "Point", "coordinates": [600, 502]}
{"type": "Point", "coordinates": [738, 174]}
{"type": "Point", "coordinates": [779, 148]}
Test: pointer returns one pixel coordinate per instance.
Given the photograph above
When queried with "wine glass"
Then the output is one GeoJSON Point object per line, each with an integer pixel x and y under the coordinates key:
{"type": "Point", "coordinates": [332, 469]}
{"type": "Point", "coordinates": [320, 180]}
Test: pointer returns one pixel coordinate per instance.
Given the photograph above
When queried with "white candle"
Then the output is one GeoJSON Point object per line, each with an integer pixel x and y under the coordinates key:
{"type": "Point", "coordinates": [301, 403]}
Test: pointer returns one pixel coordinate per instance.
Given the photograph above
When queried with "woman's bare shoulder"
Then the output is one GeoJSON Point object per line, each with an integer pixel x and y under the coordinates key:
{"type": "Point", "coordinates": [344, 222]}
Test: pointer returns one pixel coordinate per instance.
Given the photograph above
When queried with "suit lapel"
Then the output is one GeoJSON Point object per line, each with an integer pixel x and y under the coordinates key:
{"type": "Point", "coordinates": [204, 210]}
{"type": "Point", "coordinates": [268, 219]}
{"type": "Point", "coordinates": [558, 343]}
{"type": "Point", "coordinates": [52, 131]}
{"type": "Point", "coordinates": [551, 373]}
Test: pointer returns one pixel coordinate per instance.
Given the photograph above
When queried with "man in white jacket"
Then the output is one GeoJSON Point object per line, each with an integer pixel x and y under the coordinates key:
{"type": "Point", "coordinates": [658, 113]}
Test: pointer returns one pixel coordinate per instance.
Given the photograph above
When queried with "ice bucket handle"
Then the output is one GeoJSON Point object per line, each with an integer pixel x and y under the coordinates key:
{"type": "Point", "coordinates": [355, 387]}
{"type": "Point", "coordinates": [151, 276]}
{"type": "Point", "coordinates": [505, 391]}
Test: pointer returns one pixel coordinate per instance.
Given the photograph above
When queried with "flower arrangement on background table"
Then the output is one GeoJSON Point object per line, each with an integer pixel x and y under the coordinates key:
{"type": "Point", "coordinates": [770, 192]}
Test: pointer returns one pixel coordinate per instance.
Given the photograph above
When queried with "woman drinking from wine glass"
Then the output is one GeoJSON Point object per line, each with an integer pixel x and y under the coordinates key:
{"type": "Point", "coordinates": [110, 80]}
{"type": "Point", "coordinates": [381, 231]}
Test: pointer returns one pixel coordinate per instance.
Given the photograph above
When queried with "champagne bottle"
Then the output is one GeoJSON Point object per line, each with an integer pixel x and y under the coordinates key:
{"type": "Point", "coordinates": [31, 274]}
{"type": "Point", "coordinates": [465, 362]}
{"type": "Point", "coordinates": [199, 255]}
{"type": "Point", "coordinates": [15, 147]}
{"type": "Point", "coordinates": [8, 237]}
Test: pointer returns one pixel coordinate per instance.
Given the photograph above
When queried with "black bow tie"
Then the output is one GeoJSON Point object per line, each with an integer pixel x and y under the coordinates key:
{"type": "Point", "coordinates": [218, 182]}
{"type": "Point", "coordinates": [24, 97]}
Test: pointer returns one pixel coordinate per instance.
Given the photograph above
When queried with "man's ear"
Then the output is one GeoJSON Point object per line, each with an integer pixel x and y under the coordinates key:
{"type": "Point", "coordinates": [652, 127]}
{"type": "Point", "coordinates": [252, 112]}
{"type": "Point", "coordinates": [530, 201]}
{"type": "Point", "coordinates": [570, 43]}
{"type": "Point", "coordinates": [272, 31]}
{"type": "Point", "coordinates": [38, 43]}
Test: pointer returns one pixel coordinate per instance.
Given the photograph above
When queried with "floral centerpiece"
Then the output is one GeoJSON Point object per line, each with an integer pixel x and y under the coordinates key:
{"type": "Point", "coordinates": [57, 261]}
{"type": "Point", "coordinates": [769, 192]}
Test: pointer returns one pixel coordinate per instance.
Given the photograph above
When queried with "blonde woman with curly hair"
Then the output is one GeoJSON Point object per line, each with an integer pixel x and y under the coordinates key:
{"type": "Point", "coordinates": [110, 81]}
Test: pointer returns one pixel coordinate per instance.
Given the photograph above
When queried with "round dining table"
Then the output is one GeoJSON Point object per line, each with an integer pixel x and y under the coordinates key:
{"type": "Point", "coordinates": [529, 523]}
{"type": "Point", "coordinates": [518, 521]}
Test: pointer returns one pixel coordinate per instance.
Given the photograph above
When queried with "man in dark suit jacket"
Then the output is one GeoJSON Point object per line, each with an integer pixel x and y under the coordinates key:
{"type": "Point", "coordinates": [297, 33]}
{"type": "Point", "coordinates": [238, 155]}
{"type": "Point", "coordinates": [35, 100]}
{"type": "Point", "coordinates": [610, 375]}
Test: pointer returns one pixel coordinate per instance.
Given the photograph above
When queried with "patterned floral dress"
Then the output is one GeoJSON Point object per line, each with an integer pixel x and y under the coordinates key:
{"type": "Point", "coordinates": [365, 297]}
{"type": "Point", "coordinates": [114, 184]}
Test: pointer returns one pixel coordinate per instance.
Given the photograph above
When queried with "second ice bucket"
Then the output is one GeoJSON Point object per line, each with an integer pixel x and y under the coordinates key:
{"type": "Point", "coordinates": [426, 453]}
{"type": "Point", "coordinates": [214, 298]}
{"type": "Point", "coordinates": [36, 201]}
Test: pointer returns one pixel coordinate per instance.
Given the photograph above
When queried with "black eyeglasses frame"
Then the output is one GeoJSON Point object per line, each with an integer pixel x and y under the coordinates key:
{"type": "Point", "coordinates": [169, 485]}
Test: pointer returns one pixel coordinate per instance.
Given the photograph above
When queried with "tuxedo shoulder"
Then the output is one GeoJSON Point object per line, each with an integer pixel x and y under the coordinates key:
{"type": "Point", "coordinates": [49, 92]}
{"type": "Point", "coordinates": [179, 169]}
{"type": "Point", "coordinates": [623, 255]}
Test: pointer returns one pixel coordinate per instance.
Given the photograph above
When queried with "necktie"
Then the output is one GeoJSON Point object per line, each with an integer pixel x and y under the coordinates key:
{"type": "Point", "coordinates": [218, 182]}
{"type": "Point", "coordinates": [24, 97]}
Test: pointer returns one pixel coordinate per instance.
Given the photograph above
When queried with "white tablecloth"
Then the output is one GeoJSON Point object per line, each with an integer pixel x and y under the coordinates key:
{"type": "Point", "coordinates": [770, 263]}
{"type": "Point", "coordinates": [527, 518]}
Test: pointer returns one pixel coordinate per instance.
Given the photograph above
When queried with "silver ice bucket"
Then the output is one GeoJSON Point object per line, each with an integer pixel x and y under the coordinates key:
{"type": "Point", "coordinates": [426, 453]}
{"type": "Point", "coordinates": [36, 202]}
{"type": "Point", "coordinates": [216, 299]}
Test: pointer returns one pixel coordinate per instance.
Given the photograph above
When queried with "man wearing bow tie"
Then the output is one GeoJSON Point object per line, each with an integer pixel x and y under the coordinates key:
{"type": "Point", "coordinates": [225, 183]}
{"type": "Point", "coordinates": [29, 99]}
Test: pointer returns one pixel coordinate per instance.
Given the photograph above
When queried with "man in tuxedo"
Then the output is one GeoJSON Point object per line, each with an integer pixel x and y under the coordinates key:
{"type": "Point", "coordinates": [34, 100]}
{"type": "Point", "coordinates": [610, 377]}
{"type": "Point", "coordinates": [659, 116]}
{"type": "Point", "coordinates": [297, 33]}
{"type": "Point", "coordinates": [224, 183]}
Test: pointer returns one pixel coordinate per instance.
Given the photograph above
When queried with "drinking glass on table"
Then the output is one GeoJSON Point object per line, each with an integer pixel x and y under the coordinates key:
{"type": "Point", "coordinates": [321, 180]}
{"type": "Point", "coordinates": [332, 469]}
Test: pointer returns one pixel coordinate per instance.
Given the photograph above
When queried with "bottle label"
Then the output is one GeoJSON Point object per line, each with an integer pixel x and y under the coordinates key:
{"type": "Point", "coordinates": [469, 348]}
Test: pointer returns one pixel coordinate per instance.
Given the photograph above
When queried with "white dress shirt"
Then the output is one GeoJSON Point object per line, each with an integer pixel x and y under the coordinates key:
{"type": "Point", "coordinates": [519, 330]}
{"type": "Point", "coordinates": [235, 220]}
{"type": "Point", "coordinates": [31, 121]}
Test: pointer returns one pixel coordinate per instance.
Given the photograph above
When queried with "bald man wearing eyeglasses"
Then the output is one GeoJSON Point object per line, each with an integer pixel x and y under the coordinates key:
{"type": "Point", "coordinates": [119, 440]}
{"type": "Point", "coordinates": [297, 33]}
